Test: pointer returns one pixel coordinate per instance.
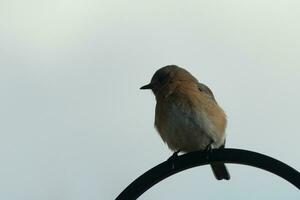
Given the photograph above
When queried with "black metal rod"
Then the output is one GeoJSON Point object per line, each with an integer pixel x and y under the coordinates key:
{"type": "Point", "coordinates": [198, 158]}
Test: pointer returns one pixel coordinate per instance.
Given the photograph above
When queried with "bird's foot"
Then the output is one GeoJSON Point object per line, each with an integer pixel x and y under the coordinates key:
{"type": "Point", "coordinates": [172, 158]}
{"type": "Point", "coordinates": [208, 149]}
{"type": "Point", "coordinates": [174, 155]}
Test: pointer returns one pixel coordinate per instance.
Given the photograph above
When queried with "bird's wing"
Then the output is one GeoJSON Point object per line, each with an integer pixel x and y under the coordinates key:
{"type": "Point", "coordinates": [203, 88]}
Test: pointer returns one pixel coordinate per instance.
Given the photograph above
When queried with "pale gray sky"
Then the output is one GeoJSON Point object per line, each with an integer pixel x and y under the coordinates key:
{"type": "Point", "coordinates": [75, 126]}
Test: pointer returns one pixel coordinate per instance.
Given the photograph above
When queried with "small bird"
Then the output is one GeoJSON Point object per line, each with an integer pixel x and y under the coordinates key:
{"type": "Point", "coordinates": [187, 116]}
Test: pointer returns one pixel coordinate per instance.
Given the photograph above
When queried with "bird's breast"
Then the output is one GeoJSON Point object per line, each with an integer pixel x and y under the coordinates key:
{"type": "Point", "coordinates": [184, 122]}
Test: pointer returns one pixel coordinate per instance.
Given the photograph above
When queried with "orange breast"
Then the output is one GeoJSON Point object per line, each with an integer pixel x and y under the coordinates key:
{"type": "Point", "coordinates": [187, 118]}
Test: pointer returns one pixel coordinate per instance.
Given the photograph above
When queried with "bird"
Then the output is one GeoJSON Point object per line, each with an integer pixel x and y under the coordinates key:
{"type": "Point", "coordinates": [187, 115]}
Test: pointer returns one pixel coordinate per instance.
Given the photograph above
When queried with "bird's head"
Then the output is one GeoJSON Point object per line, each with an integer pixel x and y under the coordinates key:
{"type": "Point", "coordinates": [167, 75]}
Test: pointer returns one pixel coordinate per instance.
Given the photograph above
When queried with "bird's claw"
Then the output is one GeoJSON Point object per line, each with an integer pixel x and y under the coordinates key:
{"type": "Point", "coordinates": [174, 155]}
{"type": "Point", "coordinates": [208, 149]}
{"type": "Point", "coordinates": [172, 158]}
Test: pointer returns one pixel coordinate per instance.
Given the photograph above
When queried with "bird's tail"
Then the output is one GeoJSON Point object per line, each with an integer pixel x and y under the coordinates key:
{"type": "Point", "coordinates": [220, 171]}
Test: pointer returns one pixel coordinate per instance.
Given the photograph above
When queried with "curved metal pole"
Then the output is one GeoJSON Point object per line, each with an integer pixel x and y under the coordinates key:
{"type": "Point", "coordinates": [198, 158]}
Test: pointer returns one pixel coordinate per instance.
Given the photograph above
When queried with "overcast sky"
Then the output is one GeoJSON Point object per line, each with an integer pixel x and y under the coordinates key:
{"type": "Point", "coordinates": [75, 126]}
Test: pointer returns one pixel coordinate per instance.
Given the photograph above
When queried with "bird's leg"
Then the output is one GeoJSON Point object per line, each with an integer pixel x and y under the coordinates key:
{"type": "Point", "coordinates": [172, 158]}
{"type": "Point", "coordinates": [209, 149]}
{"type": "Point", "coordinates": [177, 152]}
{"type": "Point", "coordinates": [174, 155]}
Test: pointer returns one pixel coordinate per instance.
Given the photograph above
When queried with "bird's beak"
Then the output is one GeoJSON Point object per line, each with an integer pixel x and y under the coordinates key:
{"type": "Point", "coordinates": [148, 86]}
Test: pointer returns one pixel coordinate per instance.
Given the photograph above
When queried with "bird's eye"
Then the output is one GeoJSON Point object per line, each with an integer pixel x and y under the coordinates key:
{"type": "Point", "coordinates": [163, 78]}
